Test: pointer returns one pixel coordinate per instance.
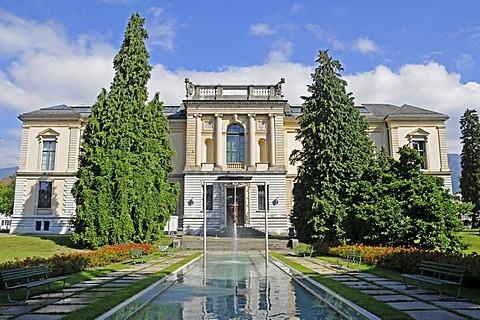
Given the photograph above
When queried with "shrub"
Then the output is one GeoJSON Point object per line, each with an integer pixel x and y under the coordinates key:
{"type": "Point", "coordinates": [407, 260]}
{"type": "Point", "coordinates": [65, 264]}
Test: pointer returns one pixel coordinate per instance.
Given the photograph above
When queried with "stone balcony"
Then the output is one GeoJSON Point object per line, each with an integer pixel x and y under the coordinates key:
{"type": "Point", "coordinates": [234, 92]}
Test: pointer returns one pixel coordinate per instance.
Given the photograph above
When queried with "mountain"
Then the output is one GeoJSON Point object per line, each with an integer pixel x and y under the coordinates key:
{"type": "Point", "coordinates": [7, 172]}
{"type": "Point", "coordinates": [454, 163]}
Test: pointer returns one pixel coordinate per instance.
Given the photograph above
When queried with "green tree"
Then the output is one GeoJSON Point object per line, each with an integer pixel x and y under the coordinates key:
{"type": "Point", "coordinates": [470, 160]}
{"type": "Point", "coordinates": [122, 192]}
{"type": "Point", "coordinates": [7, 195]}
{"type": "Point", "coordinates": [335, 152]}
{"type": "Point", "coordinates": [395, 204]}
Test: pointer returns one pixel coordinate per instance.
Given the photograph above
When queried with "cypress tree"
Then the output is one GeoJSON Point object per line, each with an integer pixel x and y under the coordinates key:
{"type": "Point", "coordinates": [335, 152]}
{"type": "Point", "coordinates": [470, 161]}
{"type": "Point", "coordinates": [122, 192]}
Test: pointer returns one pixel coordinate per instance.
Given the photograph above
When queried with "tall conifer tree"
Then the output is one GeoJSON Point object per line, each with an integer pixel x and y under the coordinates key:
{"type": "Point", "coordinates": [122, 192]}
{"type": "Point", "coordinates": [470, 160]}
{"type": "Point", "coordinates": [335, 152]}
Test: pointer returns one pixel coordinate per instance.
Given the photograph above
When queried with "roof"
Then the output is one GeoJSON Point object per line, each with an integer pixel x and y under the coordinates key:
{"type": "Point", "coordinates": [369, 111]}
{"type": "Point", "coordinates": [384, 111]}
{"type": "Point", "coordinates": [65, 111]}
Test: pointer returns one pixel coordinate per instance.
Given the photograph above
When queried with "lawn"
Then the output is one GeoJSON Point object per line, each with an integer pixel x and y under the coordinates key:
{"type": "Point", "coordinates": [472, 237]}
{"type": "Point", "coordinates": [22, 246]}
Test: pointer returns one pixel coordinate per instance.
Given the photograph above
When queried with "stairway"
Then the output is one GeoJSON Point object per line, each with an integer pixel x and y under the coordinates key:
{"type": "Point", "coordinates": [227, 243]}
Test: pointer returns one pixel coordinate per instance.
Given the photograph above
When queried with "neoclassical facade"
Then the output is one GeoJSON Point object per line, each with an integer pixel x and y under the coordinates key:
{"type": "Point", "coordinates": [232, 145]}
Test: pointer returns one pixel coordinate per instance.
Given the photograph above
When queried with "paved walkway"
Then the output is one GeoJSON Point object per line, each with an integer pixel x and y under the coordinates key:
{"type": "Point", "coordinates": [420, 304]}
{"type": "Point", "coordinates": [56, 305]}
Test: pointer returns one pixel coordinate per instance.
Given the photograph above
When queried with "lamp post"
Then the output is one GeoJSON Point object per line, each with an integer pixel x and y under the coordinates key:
{"type": "Point", "coordinates": [266, 223]}
{"type": "Point", "coordinates": [204, 208]}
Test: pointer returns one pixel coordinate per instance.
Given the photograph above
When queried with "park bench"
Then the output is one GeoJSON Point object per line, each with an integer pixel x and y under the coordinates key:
{"type": "Point", "coordinates": [351, 258]}
{"type": "Point", "coordinates": [27, 278]}
{"type": "Point", "coordinates": [138, 255]}
{"type": "Point", "coordinates": [438, 274]}
{"type": "Point", "coordinates": [307, 252]}
{"type": "Point", "coordinates": [164, 249]}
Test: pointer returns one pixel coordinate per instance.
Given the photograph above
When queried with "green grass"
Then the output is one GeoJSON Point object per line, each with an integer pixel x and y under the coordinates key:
{"type": "Point", "coordinates": [71, 280]}
{"type": "Point", "coordinates": [21, 246]}
{"type": "Point", "coordinates": [378, 308]}
{"type": "Point", "coordinates": [101, 306]}
{"type": "Point", "coordinates": [472, 237]}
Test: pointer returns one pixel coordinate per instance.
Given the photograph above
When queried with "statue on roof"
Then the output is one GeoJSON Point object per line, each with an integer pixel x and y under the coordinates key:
{"type": "Point", "coordinates": [190, 87]}
{"type": "Point", "coordinates": [279, 87]}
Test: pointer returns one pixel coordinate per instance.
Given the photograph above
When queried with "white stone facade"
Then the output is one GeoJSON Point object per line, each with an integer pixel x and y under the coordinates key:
{"type": "Point", "coordinates": [233, 142]}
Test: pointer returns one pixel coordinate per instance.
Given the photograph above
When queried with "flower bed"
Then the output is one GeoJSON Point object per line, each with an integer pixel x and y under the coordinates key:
{"type": "Point", "coordinates": [407, 260]}
{"type": "Point", "coordinates": [70, 263]}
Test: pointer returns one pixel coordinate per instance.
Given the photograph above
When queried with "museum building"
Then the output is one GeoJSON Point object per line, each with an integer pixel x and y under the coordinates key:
{"type": "Point", "coordinates": [232, 145]}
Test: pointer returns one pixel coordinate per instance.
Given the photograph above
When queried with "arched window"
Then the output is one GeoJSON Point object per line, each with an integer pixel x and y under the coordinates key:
{"type": "Point", "coordinates": [235, 144]}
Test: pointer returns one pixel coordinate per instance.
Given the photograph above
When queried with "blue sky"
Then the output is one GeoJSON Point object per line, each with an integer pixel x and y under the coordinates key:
{"type": "Point", "coordinates": [423, 53]}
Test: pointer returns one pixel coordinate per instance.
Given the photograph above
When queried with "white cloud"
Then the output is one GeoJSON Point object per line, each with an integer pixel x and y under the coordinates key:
{"type": "Point", "coordinates": [428, 86]}
{"type": "Point", "coordinates": [324, 35]}
{"type": "Point", "coordinates": [162, 29]}
{"type": "Point", "coordinates": [281, 51]}
{"type": "Point", "coordinates": [465, 62]}
{"type": "Point", "coordinates": [18, 35]}
{"type": "Point", "coordinates": [365, 45]}
{"type": "Point", "coordinates": [262, 29]}
{"type": "Point", "coordinates": [296, 8]}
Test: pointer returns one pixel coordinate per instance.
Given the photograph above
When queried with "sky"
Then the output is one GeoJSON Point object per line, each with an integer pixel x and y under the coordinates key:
{"type": "Point", "coordinates": [421, 53]}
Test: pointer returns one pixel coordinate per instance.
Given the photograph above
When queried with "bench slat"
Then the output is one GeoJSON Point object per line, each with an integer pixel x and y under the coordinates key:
{"type": "Point", "coordinates": [438, 274]}
{"type": "Point", "coordinates": [28, 278]}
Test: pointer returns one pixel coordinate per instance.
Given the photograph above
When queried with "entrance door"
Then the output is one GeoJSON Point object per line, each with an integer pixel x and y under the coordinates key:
{"type": "Point", "coordinates": [236, 205]}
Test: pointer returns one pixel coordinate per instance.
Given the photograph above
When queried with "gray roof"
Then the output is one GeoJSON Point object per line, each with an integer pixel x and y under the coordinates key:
{"type": "Point", "coordinates": [370, 111]}
{"type": "Point", "coordinates": [63, 110]}
{"type": "Point", "coordinates": [383, 111]}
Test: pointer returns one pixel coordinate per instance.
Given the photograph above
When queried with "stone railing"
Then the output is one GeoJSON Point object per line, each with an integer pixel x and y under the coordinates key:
{"type": "Point", "coordinates": [234, 92]}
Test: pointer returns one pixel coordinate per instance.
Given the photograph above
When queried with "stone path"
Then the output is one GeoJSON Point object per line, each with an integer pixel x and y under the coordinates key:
{"type": "Point", "coordinates": [420, 304]}
{"type": "Point", "coordinates": [56, 305]}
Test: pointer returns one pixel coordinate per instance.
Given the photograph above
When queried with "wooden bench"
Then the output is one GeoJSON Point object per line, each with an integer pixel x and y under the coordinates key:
{"type": "Point", "coordinates": [138, 255]}
{"type": "Point", "coordinates": [27, 278]}
{"type": "Point", "coordinates": [351, 257]}
{"type": "Point", "coordinates": [307, 252]}
{"type": "Point", "coordinates": [438, 274]}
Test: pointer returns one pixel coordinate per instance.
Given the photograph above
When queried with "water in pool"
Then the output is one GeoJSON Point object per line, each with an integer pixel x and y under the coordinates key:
{"type": "Point", "coordinates": [233, 286]}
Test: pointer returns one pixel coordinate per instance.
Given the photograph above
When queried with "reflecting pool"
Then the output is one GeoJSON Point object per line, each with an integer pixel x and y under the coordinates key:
{"type": "Point", "coordinates": [232, 286]}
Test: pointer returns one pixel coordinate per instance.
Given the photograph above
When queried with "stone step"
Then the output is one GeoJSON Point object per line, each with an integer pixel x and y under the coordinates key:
{"type": "Point", "coordinates": [228, 243]}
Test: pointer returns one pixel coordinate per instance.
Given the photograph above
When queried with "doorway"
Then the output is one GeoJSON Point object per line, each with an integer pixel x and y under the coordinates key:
{"type": "Point", "coordinates": [235, 205]}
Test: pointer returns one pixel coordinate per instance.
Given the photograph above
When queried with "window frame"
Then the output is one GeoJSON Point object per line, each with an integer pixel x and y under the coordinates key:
{"type": "Point", "coordinates": [43, 197]}
{"type": "Point", "coordinates": [235, 144]}
{"type": "Point", "coordinates": [209, 197]}
{"type": "Point", "coordinates": [261, 197]}
{"type": "Point", "coordinates": [417, 143]}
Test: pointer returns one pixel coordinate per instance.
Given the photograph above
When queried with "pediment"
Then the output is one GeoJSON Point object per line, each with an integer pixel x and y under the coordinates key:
{"type": "Point", "coordinates": [418, 132]}
{"type": "Point", "coordinates": [48, 132]}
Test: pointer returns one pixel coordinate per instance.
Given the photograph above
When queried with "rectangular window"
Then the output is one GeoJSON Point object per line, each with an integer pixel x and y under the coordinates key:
{"type": "Point", "coordinates": [46, 225]}
{"type": "Point", "coordinates": [45, 195]}
{"type": "Point", "coordinates": [421, 147]}
{"type": "Point", "coordinates": [38, 225]}
{"type": "Point", "coordinates": [48, 155]}
{"type": "Point", "coordinates": [261, 197]}
{"type": "Point", "coordinates": [209, 204]}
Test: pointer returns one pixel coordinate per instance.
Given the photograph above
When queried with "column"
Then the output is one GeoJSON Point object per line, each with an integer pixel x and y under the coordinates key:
{"type": "Point", "coordinates": [218, 141]}
{"type": "Point", "coordinates": [271, 133]}
{"type": "Point", "coordinates": [198, 140]}
{"type": "Point", "coordinates": [251, 140]}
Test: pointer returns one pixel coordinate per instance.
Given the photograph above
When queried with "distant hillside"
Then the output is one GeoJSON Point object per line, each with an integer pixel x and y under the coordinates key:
{"type": "Point", "coordinates": [455, 166]}
{"type": "Point", "coordinates": [7, 172]}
